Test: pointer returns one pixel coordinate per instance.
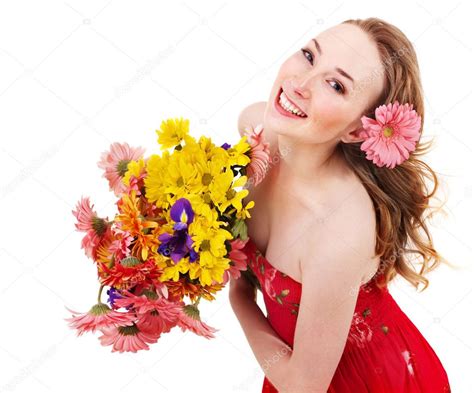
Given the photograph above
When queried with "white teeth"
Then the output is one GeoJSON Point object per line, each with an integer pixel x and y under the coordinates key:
{"type": "Point", "coordinates": [289, 106]}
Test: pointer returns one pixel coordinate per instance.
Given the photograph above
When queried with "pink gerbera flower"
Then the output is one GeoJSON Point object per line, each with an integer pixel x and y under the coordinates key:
{"type": "Point", "coordinates": [115, 163]}
{"type": "Point", "coordinates": [155, 314]}
{"type": "Point", "coordinates": [238, 259]}
{"type": "Point", "coordinates": [127, 338]}
{"type": "Point", "coordinates": [98, 317]}
{"type": "Point", "coordinates": [393, 134]}
{"type": "Point", "coordinates": [87, 218]}
{"type": "Point", "coordinates": [259, 154]}
{"type": "Point", "coordinates": [88, 221]}
{"type": "Point", "coordinates": [190, 320]}
{"type": "Point", "coordinates": [120, 245]}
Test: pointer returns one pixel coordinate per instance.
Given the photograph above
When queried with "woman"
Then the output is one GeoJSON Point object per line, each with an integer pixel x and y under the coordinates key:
{"type": "Point", "coordinates": [337, 217]}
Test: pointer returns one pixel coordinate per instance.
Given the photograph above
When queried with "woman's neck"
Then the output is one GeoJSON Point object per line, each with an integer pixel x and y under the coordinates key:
{"type": "Point", "coordinates": [307, 165]}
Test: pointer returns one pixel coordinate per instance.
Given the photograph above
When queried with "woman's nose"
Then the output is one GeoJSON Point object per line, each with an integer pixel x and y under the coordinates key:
{"type": "Point", "coordinates": [301, 88]}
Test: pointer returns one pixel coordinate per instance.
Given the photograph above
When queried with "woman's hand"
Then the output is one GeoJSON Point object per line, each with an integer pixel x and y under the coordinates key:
{"type": "Point", "coordinates": [241, 287]}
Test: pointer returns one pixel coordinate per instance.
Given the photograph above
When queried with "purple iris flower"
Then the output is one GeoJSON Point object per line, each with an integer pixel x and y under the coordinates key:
{"type": "Point", "coordinates": [178, 245]}
{"type": "Point", "coordinates": [113, 295]}
{"type": "Point", "coordinates": [182, 213]}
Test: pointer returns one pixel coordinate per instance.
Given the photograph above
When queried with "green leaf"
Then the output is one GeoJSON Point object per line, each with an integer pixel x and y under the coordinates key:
{"type": "Point", "coordinates": [239, 229]}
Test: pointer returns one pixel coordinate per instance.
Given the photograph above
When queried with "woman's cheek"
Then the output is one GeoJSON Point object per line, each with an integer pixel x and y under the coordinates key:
{"type": "Point", "coordinates": [327, 116]}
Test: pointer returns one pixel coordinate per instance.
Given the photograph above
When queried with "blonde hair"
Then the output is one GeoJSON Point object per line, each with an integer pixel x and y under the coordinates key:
{"type": "Point", "coordinates": [400, 195]}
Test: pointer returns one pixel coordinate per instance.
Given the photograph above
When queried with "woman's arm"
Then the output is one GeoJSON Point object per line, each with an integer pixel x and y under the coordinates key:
{"type": "Point", "coordinates": [271, 352]}
{"type": "Point", "coordinates": [330, 282]}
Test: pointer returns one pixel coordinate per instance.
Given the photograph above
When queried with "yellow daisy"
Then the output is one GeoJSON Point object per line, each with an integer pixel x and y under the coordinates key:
{"type": "Point", "coordinates": [172, 132]}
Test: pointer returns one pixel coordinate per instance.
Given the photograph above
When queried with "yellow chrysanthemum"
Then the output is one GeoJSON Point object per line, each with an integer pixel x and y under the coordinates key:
{"type": "Point", "coordinates": [207, 170]}
{"type": "Point", "coordinates": [207, 214]}
{"type": "Point", "coordinates": [210, 244]}
{"type": "Point", "coordinates": [244, 213]}
{"type": "Point", "coordinates": [179, 177]}
{"type": "Point", "coordinates": [206, 274]}
{"type": "Point", "coordinates": [224, 194]}
{"type": "Point", "coordinates": [237, 152]}
{"type": "Point", "coordinates": [154, 182]}
{"type": "Point", "coordinates": [135, 168]}
{"type": "Point", "coordinates": [172, 271]}
{"type": "Point", "coordinates": [219, 187]}
{"type": "Point", "coordinates": [210, 239]}
{"type": "Point", "coordinates": [172, 132]}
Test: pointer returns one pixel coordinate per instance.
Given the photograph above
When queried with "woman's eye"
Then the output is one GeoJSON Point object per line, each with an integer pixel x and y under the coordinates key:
{"type": "Point", "coordinates": [306, 52]}
{"type": "Point", "coordinates": [338, 87]}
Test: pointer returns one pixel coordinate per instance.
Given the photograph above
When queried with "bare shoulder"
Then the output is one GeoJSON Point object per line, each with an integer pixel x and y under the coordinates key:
{"type": "Point", "coordinates": [253, 115]}
{"type": "Point", "coordinates": [343, 235]}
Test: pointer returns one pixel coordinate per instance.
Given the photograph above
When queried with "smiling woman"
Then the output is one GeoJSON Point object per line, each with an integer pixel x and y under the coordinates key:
{"type": "Point", "coordinates": [339, 216]}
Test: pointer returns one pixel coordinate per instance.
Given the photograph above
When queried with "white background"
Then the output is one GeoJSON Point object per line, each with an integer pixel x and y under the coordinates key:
{"type": "Point", "coordinates": [79, 75]}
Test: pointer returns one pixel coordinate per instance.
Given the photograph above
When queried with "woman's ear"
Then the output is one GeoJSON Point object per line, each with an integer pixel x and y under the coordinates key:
{"type": "Point", "coordinates": [354, 136]}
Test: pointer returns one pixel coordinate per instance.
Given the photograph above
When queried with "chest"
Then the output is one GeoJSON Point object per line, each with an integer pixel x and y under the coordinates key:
{"type": "Point", "coordinates": [277, 227]}
{"type": "Point", "coordinates": [282, 223]}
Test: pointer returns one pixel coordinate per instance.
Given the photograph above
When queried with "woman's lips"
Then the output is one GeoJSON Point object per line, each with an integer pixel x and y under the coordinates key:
{"type": "Point", "coordinates": [283, 111]}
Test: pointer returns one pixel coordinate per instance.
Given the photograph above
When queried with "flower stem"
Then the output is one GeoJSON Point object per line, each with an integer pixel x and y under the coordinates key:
{"type": "Point", "coordinates": [197, 301]}
{"type": "Point", "coordinates": [100, 293]}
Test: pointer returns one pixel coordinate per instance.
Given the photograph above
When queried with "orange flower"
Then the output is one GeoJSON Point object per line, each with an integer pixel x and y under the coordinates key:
{"type": "Point", "coordinates": [131, 220]}
{"type": "Point", "coordinates": [129, 272]}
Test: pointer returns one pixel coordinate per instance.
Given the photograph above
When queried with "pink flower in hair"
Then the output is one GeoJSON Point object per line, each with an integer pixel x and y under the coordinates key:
{"type": "Point", "coordinates": [259, 154]}
{"type": "Point", "coordinates": [393, 134]}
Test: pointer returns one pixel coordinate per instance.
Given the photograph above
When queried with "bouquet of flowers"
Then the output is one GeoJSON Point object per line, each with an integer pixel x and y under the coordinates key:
{"type": "Point", "coordinates": [178, 233]}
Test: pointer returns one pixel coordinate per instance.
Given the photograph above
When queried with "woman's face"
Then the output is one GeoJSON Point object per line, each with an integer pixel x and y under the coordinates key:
{"type": "Point", "coordinates": [333, 82]}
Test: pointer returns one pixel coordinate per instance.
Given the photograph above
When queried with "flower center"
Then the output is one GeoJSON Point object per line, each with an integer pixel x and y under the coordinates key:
{"type": "Point", "coordinates": [205, 245]}
{"type": "Point", "coordinates": [99, 225]}
{"type": "Point", "coordinates": [192, 311]}
{"type": "Point", "coordinates": [206, 179]}
{"type": "Point", "coordinates": [99, 309]}
{"type": "Point", "coordinates": [388, 131]}
{"type": "Point", "coordinates": [122, 167]}
{"type": "Point", "coordinates": [130, 261]}
{"type": "Point", "coordinates": [128, 330]}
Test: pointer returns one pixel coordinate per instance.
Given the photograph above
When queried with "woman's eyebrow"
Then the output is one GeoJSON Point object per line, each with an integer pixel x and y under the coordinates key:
{"type": "Point", "coordinates": [339, 70]}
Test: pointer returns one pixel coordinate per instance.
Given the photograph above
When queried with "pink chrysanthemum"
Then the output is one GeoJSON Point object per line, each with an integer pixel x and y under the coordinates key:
{"type": "Point", "coordinates": [259, 154]}
{"type": "Point", "coordinates": [98, 317]}
{"type": "Point", "coordinates": [238, 258]}
{"type": "Point", "coordinates": [393, 134]}
{"type": "Point", "coordinates": [127, 338]}
{"type": "Point", "coordinates": [115, 163]}
{"type": "Point", "coordinates": [190, 320]}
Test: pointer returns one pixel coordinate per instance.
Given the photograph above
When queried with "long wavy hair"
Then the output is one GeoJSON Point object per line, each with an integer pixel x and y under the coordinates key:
{"type": "Point", "coordinates": [400, 195]}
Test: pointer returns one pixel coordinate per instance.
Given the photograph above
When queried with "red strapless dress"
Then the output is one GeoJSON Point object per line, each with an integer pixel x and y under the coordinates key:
{"type": "Point", "coordinates": [384, 352]}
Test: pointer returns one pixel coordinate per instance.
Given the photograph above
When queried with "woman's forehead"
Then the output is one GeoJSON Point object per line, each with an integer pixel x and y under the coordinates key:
{"type": "Point", "coordinates": [350, 48]}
